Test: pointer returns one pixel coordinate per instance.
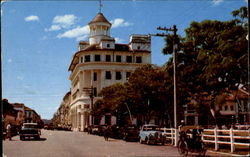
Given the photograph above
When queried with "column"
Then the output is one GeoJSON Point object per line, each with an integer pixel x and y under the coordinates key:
{"type": "Point", "coordinates": [102, 80]}
{"type": "Point", "coordinates": [196, 120]}
{"type": "Point", "coordinates": [124, 79]}
{"type": "Point", "coordinates": [81, 83]}
{"type": "Point", "coordinates": [82, 122]}
{"type": "Point", "coordinates": [112, 77]}
{"type": "Point", "coordinates": [91, 78]}
{"type": "Point", "coordinates": [76, 121]}
{"type": "Point", "coordinates": [90, 119]}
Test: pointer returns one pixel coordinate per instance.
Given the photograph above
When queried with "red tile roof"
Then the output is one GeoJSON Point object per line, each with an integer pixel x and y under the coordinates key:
{"type": "Point", "coordinates": [100, 18]}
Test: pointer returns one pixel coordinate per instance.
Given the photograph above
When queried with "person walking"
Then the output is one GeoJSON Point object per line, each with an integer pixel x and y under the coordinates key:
{"type": "Point", "coordinates": [8, 129]}
{"type": "Point", "coordinates": [107, 132]}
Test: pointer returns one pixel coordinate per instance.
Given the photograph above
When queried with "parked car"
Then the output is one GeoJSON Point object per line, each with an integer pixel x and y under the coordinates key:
{"type": "Point", "coordinates": [131, 133]}
{"type": "Point", "coordinates": [29, 130]}
{"type": "Point", "coordinates": [94, 129]}
{"type": "Point", "coordinates": [101, 129]}
{"type": "Point", "coordinates": [151, 134]}
{"type": "Point", "coordinates": [116, 132]}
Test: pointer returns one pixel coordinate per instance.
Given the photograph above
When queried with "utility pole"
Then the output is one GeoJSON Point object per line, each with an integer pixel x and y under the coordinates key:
{"type": "Point", "coordinates": [175, 46]}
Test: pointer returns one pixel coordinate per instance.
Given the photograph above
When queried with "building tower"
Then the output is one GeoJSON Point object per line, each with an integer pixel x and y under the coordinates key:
{"type": "Point", "coordinates": [99, 29]}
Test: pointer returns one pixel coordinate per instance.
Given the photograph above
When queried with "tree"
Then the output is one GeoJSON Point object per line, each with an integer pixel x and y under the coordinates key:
{"type": "Point", "coordinates": [144, 95]}
{"type": "Point", "coordinates": [214, 57]}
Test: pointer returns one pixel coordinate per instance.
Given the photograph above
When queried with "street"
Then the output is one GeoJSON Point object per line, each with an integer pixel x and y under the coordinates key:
{"type": "Point", "coordinates": [72, 144]}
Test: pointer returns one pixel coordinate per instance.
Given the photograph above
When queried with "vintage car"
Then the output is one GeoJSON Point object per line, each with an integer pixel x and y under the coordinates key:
{"type": "Point", "coordinates": [101, 129]}
{"type": "Point", "coordinates": [94, 129]}
{"type": "Point", "coordinates": [131, 133]}
{"type": "Point", "coordinates": [116, 132]}
{"type": "Point", "coordinates": [29, 130]}
{"type": "Point", "coordinates": [151, 134]}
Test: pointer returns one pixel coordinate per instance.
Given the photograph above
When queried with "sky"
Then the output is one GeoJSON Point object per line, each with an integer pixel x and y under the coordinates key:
{"type": "Point", "coordinates": [39, 39]}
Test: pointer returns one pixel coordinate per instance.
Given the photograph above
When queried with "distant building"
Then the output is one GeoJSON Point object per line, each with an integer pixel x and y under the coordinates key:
{"type": "Point", "coordinates": [101, 62]}
{"type": "Point", "coordinates": [31, 116]}
{"type": "Point", "coordinates": [18, 113]}
{"type": "Point", "coordinates": [236, 107]}
{"type": "Point", "coordinates": [21, 112]}
{"type": "Point", "coordinates": [62, 118]}
{"type": "Point", "coordinates": [233, 107]}
{"type": "Point", "coordinates": [9, 114]}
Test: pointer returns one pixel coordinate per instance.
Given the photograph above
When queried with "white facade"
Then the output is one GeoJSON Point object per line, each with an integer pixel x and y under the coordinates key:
{"type": "Point", "coordinates": [99, 63]}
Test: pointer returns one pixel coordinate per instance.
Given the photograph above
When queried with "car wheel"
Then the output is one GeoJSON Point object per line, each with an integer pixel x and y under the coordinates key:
{"type": "Point", "coordinates": [124, 138]}
{"type": "Point", "coordinates": [140, 141]}
{"type": "Point", "coordinates": [37, 137]}
{"type": "Point", "coordinates": [163, 143]}
{"type": "Point", "coordinates": [147, 141]}
{"type": "Point", "coordinates": [202, 150]}
{"type": "Point", "coordinates": [182, 148]}
{"type": "Point", "coordinates": [21, 138]}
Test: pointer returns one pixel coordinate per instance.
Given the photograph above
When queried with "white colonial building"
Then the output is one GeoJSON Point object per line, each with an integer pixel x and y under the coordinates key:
{"type": "Point", "coordinates": [101, 62]}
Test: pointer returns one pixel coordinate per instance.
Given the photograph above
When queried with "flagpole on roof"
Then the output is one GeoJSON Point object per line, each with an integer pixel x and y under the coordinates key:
{"type": "Point", "coordinates": [100, 6]}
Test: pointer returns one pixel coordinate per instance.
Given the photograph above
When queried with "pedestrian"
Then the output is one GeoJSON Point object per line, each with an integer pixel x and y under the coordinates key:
{"type": "Point", "coordinates": [106, 133]}
{"type": "Point", "coordinates": [181, 125]}
{"type": "Point", "coordinates": [8, 128]}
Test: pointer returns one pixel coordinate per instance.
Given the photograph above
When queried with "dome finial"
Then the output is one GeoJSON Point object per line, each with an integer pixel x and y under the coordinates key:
{"type": "Point", "coordinates": [100, 6]}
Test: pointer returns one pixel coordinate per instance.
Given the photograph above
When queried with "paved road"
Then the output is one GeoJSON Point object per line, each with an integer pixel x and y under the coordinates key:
{"type": "Point", "coordinates": [76, 144]}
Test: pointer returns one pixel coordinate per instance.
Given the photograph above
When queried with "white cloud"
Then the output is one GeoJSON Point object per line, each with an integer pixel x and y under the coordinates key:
{"type": "Point", "coordinates": [9, 60]}
{"type": "Point", "coordinates": [31, 18]}
{"type": "Point", "coordinates": [78, 33]}
{"type": "Point", "coordinates": [84, 37]}
{"type": "Point", "coordinates": [64, 21]}
{"type": "Point", "coordinates": [119, 22]}
{"type": "Point", "coordinates": [53, 28]}
{"type": "Point", "coordinates": [60, 22]}
{"type": "Point", "coordinates": [217, 2]}
{"type": "Point", "coordinates": [119, 40]}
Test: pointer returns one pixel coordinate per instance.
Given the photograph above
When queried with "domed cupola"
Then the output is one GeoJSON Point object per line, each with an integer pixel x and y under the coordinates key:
{"type": "Point", "coordinates": [99, 29]}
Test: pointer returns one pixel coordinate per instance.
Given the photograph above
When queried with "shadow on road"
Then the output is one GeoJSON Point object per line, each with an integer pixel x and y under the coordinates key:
{"type": "Point", "coordinates": [112, 140]}
{"type": "Point", "coordinates": [32, 139]}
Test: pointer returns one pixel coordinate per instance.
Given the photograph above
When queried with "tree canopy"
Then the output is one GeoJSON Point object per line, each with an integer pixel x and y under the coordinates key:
{"type": "Point", "coordinates": [212, 56]}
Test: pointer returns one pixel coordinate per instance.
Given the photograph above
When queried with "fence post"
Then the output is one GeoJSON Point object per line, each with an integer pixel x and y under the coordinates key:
{"type": "Point", "coordinates": [172, 136]}
{"type": "Point", "coordinates": [249, 141]}
{"type": "Point", "coordinates": [232, 139]}
{"type": "Point", "coordinates": [216, 144]}
{"type": "Point", "coordinates": [202, 135]}
{"type": "Point", "coordinates": [176, 137]}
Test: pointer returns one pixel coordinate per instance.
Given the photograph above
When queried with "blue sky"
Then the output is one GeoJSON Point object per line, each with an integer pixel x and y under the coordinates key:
{"type": "Point", "coordinates": [39, 39]}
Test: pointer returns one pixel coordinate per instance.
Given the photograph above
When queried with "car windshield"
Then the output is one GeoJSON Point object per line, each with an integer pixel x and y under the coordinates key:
{"type": "Point", "coordinates": [132, 128]}
{"type": "Point", "coordinates": [30, 126]}
{"type": "Point", "coordinates": [151, 128]}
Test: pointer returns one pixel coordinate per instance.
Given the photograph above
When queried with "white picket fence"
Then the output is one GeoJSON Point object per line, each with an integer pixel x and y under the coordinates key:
{"type": "Point", "coordinates": [221, 136]}
{"type": "Point", "coordinates": [215, 136]}
{"type": "Point", "coordinates": [170, 133]}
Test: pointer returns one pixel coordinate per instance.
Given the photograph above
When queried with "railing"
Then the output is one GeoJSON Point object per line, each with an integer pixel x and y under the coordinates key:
{"type": "Point", "coordinates": [216, 136]}
{"type": "Point", "coordinates": [170, 133]}
{"type": "Point", "coordinates": [228, 137]}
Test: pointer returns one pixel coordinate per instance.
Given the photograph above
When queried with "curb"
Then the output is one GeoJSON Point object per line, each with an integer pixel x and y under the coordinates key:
{"type": "Point", "coordinates": [229, 154]}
